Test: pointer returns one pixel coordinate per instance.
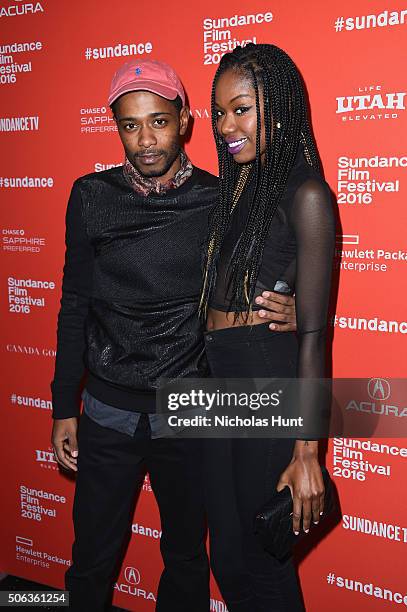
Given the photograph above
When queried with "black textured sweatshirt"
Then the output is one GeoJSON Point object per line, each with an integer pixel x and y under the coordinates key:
{"type": "Point", "coordinates": [130, 291]}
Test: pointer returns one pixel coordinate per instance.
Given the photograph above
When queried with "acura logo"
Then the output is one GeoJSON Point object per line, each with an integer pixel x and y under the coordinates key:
{"type": "Point", "coordinates": [378, 388]}
{"type": "Point", "coordinates": [132, 575]}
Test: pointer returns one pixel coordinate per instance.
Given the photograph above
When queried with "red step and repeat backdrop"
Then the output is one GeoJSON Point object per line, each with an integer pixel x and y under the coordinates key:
{"type": "Point", "coordinates": [56, 62]}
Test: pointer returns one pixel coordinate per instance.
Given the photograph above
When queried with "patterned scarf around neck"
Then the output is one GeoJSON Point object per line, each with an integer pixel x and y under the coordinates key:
{"type": "Point", "coordinates": [146, 185]}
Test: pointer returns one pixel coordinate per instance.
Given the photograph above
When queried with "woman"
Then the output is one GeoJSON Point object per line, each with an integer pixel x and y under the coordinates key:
{"type": "Point", "coordinates": [274, 227]}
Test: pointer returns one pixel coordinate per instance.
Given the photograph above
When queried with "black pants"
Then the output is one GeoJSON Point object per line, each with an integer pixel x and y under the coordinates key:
{"type": "Point", "coordinates": [241, 474]}
{"type": "Point", "coordinates": [111, 470]}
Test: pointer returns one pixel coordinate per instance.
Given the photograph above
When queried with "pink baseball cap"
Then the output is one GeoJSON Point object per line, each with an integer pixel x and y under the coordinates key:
{"type": "Point", "coordinates": [146, 75]}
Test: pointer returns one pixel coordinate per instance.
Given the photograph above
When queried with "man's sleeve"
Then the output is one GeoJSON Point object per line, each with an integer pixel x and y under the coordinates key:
{"type": "Point", "coordinates": [76, 291]}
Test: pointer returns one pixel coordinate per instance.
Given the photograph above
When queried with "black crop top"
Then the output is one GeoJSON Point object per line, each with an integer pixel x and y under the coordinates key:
{"type": "Point", "coordinates": [303, 220]}
{"type": "Point", "coordinates": [297, 257]}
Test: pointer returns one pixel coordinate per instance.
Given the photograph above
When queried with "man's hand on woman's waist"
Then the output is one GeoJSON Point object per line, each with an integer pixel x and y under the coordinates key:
{"type": "Point", "coordinates": [278, 307]}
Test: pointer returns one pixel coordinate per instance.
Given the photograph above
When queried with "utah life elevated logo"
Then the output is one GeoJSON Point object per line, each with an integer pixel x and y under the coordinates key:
{"type": "Point", "coordinates": [371, 102]}
{"type": "Point", "coordinates": [46, 459]}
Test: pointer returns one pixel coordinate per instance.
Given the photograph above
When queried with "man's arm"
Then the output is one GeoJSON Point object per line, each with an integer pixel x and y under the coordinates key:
{"type": "Point", "coordinates": [278, 307]}
{"type": "Point", "coordinates": [69, 365]}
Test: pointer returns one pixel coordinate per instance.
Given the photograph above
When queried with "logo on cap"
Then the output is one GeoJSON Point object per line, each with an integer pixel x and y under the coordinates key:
{"type": "Point", "coordinates": [138, 71]}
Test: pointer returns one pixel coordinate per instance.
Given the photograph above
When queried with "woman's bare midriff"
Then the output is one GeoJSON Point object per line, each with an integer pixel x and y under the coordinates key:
{"type": "Point", "coordinates": [217, 319]}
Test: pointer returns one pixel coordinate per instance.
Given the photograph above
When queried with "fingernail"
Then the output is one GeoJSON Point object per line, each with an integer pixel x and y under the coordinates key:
{"type": "Point", "coordinates": [321, 513]}
{"type": "Point", "coordinates": [74, 453]}
{"type": "Point", "coordinates": [306, 530]}
{"type": "Point", "coordinates": [259, 300]}
{"type": "Point", "coordinates": [272, 326]}
{"type": "Point", "coordinates": [261, 313]}
{"type": "Point", "coordinates": [315, 522]}
{"type": "Point", "coordinates": [266, 294]}
{"type": "Point", "coordinates": [297, 532]}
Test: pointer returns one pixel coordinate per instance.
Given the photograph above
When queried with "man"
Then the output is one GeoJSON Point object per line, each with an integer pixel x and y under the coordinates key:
{"type": "Point", "coordinates": [130, 293]}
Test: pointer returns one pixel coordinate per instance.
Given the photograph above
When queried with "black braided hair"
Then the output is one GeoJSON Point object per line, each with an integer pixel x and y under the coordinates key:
{"type": "Point", "coordinates": [276, 79]}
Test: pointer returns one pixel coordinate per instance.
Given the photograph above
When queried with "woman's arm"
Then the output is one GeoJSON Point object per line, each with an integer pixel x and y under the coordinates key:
{"type": "Point", "coordinates": [313, 222]}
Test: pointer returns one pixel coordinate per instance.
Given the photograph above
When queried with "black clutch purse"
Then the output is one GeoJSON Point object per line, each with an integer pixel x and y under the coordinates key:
{"type": "Point", "coordinates": [274, 521]}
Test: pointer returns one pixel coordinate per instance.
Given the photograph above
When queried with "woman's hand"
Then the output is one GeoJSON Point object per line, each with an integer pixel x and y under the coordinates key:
{"type": "Point", "coordinates": [304, 477]}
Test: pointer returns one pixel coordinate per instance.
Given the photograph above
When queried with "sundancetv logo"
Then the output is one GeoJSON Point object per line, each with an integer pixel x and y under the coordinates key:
{"type": "Point", "coordinates": [379, 529]}
{"type": "Point", "coordinates": [371, 102]}
{"type": "Point", "coordinates": [19, 124]}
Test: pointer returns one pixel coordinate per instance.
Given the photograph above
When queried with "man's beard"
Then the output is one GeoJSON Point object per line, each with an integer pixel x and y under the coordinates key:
{"type": "Point", "coordinates": [166, 161]}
